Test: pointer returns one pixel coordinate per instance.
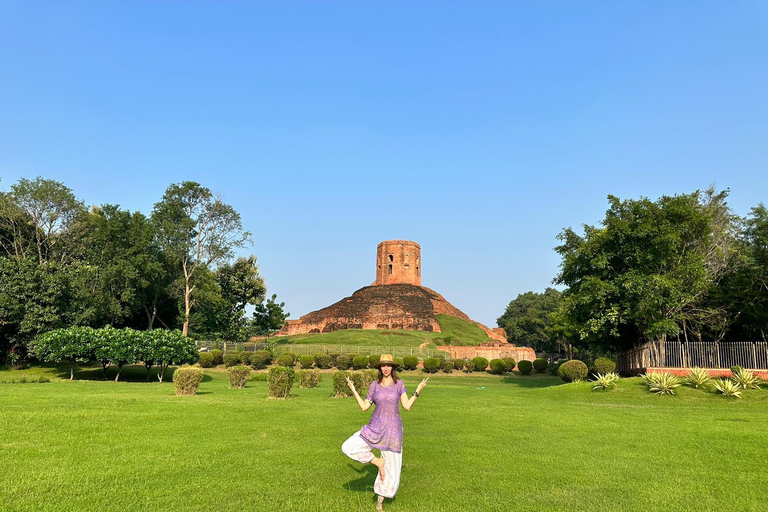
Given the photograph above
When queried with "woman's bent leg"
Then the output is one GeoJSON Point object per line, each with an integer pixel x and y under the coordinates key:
{"type": "Point", "coordinates": [357, 449]}
{"type": "Point", "coordinates": [393, 462]}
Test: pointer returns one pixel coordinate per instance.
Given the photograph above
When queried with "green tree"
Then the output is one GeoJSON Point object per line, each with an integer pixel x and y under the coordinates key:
{"type": "Point", "coordinates": [269, 316]}
{"type": "Point", "coordinates": [196, 229]}
{"type": "Point", "coordinates": [527, 319]}
{"type": "Point", "coordinates": [74, 345]}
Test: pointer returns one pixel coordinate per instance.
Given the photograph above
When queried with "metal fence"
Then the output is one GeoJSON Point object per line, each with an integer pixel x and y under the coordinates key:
{"type": "Point", "coordinates": [695, 354]}
{"type": "Point", "coordinates": [310, 349]}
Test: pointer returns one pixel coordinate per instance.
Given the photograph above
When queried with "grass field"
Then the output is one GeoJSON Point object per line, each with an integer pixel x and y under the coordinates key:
{"type": "Point", "coordinates": [455, 331]}
{"type": "Point", "coordinates": [476, 442]}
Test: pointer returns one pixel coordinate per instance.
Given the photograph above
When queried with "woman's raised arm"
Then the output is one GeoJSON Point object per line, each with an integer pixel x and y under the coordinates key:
{"type": "Point", "coordinates": [364, 404]}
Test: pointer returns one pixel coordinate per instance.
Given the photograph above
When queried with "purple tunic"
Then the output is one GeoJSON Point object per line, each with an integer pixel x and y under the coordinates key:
{"type": "Point", "coordinates": [385, 430]}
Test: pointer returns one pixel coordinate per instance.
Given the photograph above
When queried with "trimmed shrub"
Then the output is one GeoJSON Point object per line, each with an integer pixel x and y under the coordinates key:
{"type": "Point", "coordinates": [308, 378]}
{"type": "Point", "coordinates": [602, 365]}
{"type": "Point", "coordinates": [286, 359]}
{"type": "Point", "coordinates": [447, 366]}
{"type": "Point", "coordinates": [260, 359]}
{"type": "Point", "coordinates": [205, 359]}
{"type": "Point", "coordinates": [573, 371]}
{"type": "Point", "coordinates": [524, 367]}
{"type": "Point", "coordinates": [280, 381]}
{"type": "Point", "coordinates": [510, 362]}
{"type": "Point", "coordinates": [333, 359]}
{"type": "Point", "coordinates": [360, 362]}
{"type": "Point", "coordinates": [398, 360]}
{"type": "Point", "coordinates": [373, 359]}
{"type": "Point", "coordinates": [306, 362]}
{"type": "Point", "coordinates": [469, 365]}
{"type": "Point", "coordinates": [459, 363]}
{"type": "Point", "coordinates": [231, 358]}
{"type": "Point", "coordinates": [554, 368]}
{"type": "Point", "coordinates": [343, 362]}
{"type": "Point", "coordinates": [238, 376]}
{"type": "Point", "coordinates": [366, 377]}
{"type": "Point", "coordinates": [540, 365]}
{"type": "Point", "coordinates": [323, 361]}
{"type": "Point", "coordinates": [352, 356]}
{"type": "Point", "coordinates": [431, 364]}
{"type": "Point", "coordinates": [480, 363]}
{"type": "Point", "coordinates": [410, 362]}
{"type": "Point", "coordinates": [186, 380]}
{"type": "Point", "coordinates": [218, 357]}
{"type": "Point", "coordinates": [498, 366]}
{"type": "Point", "coordinates": [340, 388]}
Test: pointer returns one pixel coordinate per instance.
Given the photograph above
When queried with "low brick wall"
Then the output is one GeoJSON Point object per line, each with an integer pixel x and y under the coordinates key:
{"type": "Point", "coordinates": [713, 372]}
{"type": "Point", "coordinates": [519, 353]}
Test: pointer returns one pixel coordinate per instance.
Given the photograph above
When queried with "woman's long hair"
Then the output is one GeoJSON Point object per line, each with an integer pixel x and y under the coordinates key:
{"type": "Point", "coordinates": [393, 375]}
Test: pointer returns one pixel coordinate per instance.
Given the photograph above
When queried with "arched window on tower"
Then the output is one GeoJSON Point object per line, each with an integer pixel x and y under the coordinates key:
{"type": "Point", "coordinates": [406, 260]}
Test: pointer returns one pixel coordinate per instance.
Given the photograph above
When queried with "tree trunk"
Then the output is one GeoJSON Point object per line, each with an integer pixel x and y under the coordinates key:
{"type": "Point", "coordinates": [72, 371]}
{"type": "Point", "coordinates": [187, 297]}
{"type": "Point", "coordinates": [119, 369]}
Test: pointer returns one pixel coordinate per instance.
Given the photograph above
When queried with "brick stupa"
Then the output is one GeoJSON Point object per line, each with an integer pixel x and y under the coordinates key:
{"type": "Point", "coordinates": [395, 300]}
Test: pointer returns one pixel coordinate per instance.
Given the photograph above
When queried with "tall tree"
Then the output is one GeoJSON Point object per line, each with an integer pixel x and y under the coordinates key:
{"type": "Point", "coordinates": [196, 229]}
{"type": "Point", "coordinates": [269, 316]}
{"type": "Point", "coordinates": [527, 319]}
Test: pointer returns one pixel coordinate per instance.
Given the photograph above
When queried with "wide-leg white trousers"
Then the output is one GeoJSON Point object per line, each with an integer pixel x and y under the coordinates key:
{"type": "Point", "coordinates": [357, 449]}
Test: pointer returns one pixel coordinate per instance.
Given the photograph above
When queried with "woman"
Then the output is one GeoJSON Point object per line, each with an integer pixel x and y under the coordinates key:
{"type": "Point", "coordinates": [385, 430]}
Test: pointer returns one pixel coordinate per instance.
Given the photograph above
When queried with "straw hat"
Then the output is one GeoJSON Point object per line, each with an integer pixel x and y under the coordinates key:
{"type": "Point", "coordinates": [386, 359]}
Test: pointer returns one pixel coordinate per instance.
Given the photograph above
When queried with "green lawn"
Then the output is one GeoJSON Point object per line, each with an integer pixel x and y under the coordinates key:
{"type": "Point", "coordinates": [477, 442]}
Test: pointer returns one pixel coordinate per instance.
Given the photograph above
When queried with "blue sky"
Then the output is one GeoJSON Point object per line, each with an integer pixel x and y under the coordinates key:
{"type": "Point", "coordinates": [478, 129]}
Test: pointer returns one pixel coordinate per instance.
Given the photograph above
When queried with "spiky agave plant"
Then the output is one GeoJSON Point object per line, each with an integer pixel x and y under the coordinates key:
{"type": "Point", "coordinates": [745, 379]}
{"type": "Point", "coordinates": [662, 383]}
{"type": "Point", "coordinates": [698, 378]}
{"type": "Point", "coordinates": [727, 388]}
{"type": "Point", "coordinates": [606, 381]}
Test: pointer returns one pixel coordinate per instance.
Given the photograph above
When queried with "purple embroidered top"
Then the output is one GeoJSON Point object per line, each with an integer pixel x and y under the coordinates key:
{"type": "Point", "coordinates": [385, 430]}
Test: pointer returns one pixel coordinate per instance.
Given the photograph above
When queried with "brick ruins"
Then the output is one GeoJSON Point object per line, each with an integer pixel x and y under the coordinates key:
{"type": "Point", "coordinates": [395, 300]}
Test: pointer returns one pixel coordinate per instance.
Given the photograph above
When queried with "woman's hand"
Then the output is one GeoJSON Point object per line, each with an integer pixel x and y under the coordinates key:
{"type": "Point", "coordinates": [350, 384]}
{"type": "Point", "coordinates": [422, 385]}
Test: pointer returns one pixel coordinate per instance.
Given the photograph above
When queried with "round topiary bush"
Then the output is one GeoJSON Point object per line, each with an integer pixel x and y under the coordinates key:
{"type": "Point", "coordinates": [459, 363]}
{"type": "Point", "coordinates": [323, 361]}
{"type": "Point", "coordinates": [238, 376]}
{"type": "Point", "coordinates": [410, 362]}
{"type": "Point", "coordinates": [205, 359]}
{"type": "Point", "coordinates": [447, 366]}
{"type": "Point", "coordinates": [306, 362]}
{"type": "Point", "coordinates": [286, 359]}
{"type": "Point", "coordinates": [510, 362]}
{"type": "Point", "coordinates": [498, 366]}
{"type": "Point", "coordinates": [480, 363]}
{"type": "Point", "coordinates": [540, 365]}
{"type": "Point", "coordinates": [333, 359]}
{"type": "Point", "coordinates": [602, 365]}
{"type": "Point", "coordinates": [373, 359]}
{"type": "Point", "coordinates": [524, 367]}
{"type": "Point", "coordinates": [469, 365]}
{"type": "Point", "coordinates": [231, 358]}
{"type": "Point", "coordinates": [398, 361]}
{"type": "Point", "coordinates": [360, 362]}
{"type": "Point", "coordinates": [280, 381]}
{"type": "Point", "coordinates": [186, 380]}
{"type": "Point", "coordinates": [218, 357]}
{"type": "Point", "coordinates": [260, 359]}
{"type": "Point", "coordinates": [554, 368]}
{"type": "Point", "coordinates": [431, 364]}
{"type": "Point", "coordinates": [343, 362]}
{"type": "Point", "coordinates": [573, 371]}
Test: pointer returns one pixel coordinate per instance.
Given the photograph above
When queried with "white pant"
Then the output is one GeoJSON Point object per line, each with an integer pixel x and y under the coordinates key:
{"type": "Point", "coordinates": [357, 449]}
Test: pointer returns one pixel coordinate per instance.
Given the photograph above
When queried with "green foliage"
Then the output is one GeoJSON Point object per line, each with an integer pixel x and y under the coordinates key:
{"type": "Point", "coordinates": [398, 361]}
{"type": "Point", "coordinates": [238, 376]}
{"type": "Point", "coordinates": [554, 368]}
{"type": "Point", "coordinates": [340, 387]}
{"type": "Point", "coordinates": [727, 388]}
{"type": "Point", "coordinates": [363, 379]}
{"type": "Point", "coordinates": [431, 364]}
{"type": "Point", "coordinates": [232, 358]}
{"type": "Point", "coordinates": [480, 363]}
{"type": "Point", "coordinates": [746, 379]}
{"type": "Point", "coordinates": [447, 366]}
{"type": "Point", "coordinates": [280, 381]}
{"type": "Point", "coordinates": [698, 378]}
{"type": "Point", "coordinates": [205, 359]}
{"type": "Point", "coordinates": [458, 331]}
{"type": "Point", "coordinates": [286, 359]}
{"type": "Point", "coordinates": [260, 359]}
{"type": "Point", "coordinates": [410, 362]}
{"type": "Point", "coordinates": [510, 362]}
{"type": "Point", "coordinates": [459, 363]}
{"type": "Point", "coordinates": [306, 362]}
{"type": "Point", "coordinates": [269, 316]}
{"type": "Point", "coordinates": [736, 369]}
{"type": "Point", "coordinates": [602, 365]}
{"type": "Point", "coordinates": [74, 345]}
{"type": "Point", "coordinates": [661, 383]}
{"type": "Point", "coordinates": [373, 359]}
{"type": "Point", "coordinates": [218, 357]}
{"type": "Point", "coordinates": [604, 382]}
{"type": "Point", "coordinates": [186, 380]}
{"type": "Point", "coordinates": [469, 365]}
{"type": "Point", "coordinates": [498, 366]}
{"type": "Point", "coordinates": [540, 365]}
{"type": "Point", "coordinates": [360, 362]}
{"type": "Point", "coordinates": [323, 361]}
{"type": "Point", "coordinates": [524, 367]}
{"type": "Point", "coordinates": [343, 362]}
{"type": "Point", "coordinates": [527, 319]}
{"type": "Point", "coordinates": [308, 378]}
{"type": "Point", "coordinates": [571, 371]}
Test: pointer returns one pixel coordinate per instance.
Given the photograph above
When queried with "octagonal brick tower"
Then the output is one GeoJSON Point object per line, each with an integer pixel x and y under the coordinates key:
{"type": "Point", "coordinates": [398, 262]}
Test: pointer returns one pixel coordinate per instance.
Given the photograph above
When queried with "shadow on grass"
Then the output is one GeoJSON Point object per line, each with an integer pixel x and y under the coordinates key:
{"type": "Point", "coordinates": [532, 381]}
{"type": "Point", "coordinates": [92, 372]}
{"type": "Point", "coordinates": [366, 481]}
